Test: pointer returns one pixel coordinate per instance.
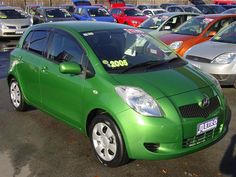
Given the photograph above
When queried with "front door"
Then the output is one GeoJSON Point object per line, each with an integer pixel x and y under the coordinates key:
{"type": "Point", "coordinates": [62, 93]}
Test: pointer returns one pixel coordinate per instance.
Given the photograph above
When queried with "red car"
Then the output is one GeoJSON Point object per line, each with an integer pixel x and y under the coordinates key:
{"type": "Point", "coordinates": [128, 15]}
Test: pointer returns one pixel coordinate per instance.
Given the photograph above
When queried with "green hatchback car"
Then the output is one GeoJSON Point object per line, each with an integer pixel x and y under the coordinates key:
{"type": "Point", "coordinates": [129, 93]}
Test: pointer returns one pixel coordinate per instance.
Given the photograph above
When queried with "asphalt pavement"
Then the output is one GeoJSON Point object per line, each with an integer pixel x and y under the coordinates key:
{"type": "Point", "coordinates": [34, 144]}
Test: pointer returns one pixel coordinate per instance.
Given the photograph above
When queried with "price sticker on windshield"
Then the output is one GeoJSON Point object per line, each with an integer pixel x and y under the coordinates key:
{"type": "Point", "coordinates": [115, 63]}
{"type": "Point", "coordinates": [134, 31]}
{"type": "Point", "coordinates": [207, 20]}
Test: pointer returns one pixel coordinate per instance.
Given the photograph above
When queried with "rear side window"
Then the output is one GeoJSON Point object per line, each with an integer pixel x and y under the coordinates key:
{"type": "Point", "coordinates": [38, 42]}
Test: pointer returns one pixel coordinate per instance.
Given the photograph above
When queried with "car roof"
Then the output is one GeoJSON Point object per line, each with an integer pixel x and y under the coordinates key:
{"type": "Point", "coordinates": [170, 14]}
{"type": "Point", "coordinates": [155, 9]}
{"type": "Point", "coordinates": [49, 7]}
{"type": "Point", "coordinates": [8, 7]}
{"type": "Point", "coordinates": [90, 7]}
{"type": "Point", "coordinates": [81, 26]}
{"type": "Point", "coordinates": [215, 16]}
{"type": "Point", "coordinates": [124, 8]}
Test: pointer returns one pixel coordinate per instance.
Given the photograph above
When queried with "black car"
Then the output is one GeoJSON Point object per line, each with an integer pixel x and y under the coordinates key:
{"type": "Point", "coordinates": [210, 8]}
{"type": "Point", "coordinates": [51, 14]}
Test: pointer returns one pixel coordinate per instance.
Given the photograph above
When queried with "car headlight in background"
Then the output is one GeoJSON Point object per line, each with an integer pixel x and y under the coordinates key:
{"type": "Point", "coordinates": [114, 20]}
{"type": "Point", "coordinates": [225, 58]}
{"type": "Point", "coordinates": [3, 26]}
{"type": "Point", "coordinates": [93, 19]}
{"type": "Point", "coordinates": [140, 101]}
{"type": "Point", "coordinates": [134, 22]}
{"type": "Point", "coordinates": [175, 45]}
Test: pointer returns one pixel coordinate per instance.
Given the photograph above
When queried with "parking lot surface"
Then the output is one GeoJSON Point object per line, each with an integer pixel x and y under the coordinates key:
{"type": "Point", "coordinates": [34, 144]}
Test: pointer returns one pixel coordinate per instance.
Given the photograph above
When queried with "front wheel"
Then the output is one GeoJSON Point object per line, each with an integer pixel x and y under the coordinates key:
{"type": "Point", "coordinates": [107, 142]}
{"type": "Point", "coordinates": [16, 96]}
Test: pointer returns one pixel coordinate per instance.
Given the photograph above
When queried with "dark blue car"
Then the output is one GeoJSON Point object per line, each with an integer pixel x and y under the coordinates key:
{"type": "Point", "coordinates": [93, 13]}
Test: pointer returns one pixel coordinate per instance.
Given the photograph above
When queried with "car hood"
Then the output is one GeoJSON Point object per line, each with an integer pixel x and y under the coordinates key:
{"type": "Point", "coordinates": [166, 82]}
{"type": "Point", "coordinates": [60, 19]}
{"type": "Point", "coordinates": [169, 38]}
{"type": "Point", "coordinates": [211, 49]}
{"type": "Point", "coordinates": [104, 19]}
{"type": "Point", "coordinates": [16, 22]}
{"type": "Point", "coordinates": [137, 18]}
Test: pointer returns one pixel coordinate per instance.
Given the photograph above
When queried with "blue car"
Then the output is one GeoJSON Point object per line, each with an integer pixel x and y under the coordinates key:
{"type": "Point", "coordinates": [93, 13]}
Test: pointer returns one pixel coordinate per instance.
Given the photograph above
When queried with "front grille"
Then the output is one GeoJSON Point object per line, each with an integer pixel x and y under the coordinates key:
{"type": "Point", "coordinates": [10, 33]}
{"type": "Point", "coordinates": [198, 59]}
{"type": "Point", "coordinates": [26, 26]}
{"type": "Point", "coordinates": [194, 110]}
{"type": "Point", "coordinates": [11, 27]}
{"type": "Point", "coordinates": [193, 141]}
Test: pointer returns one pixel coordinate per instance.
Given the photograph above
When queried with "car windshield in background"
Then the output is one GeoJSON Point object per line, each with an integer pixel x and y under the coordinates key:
{"type": "Point", "coordinates": [194, 26]}
{"type": "Point", "coordinates": [98, 12]}
{"type": "Point", "coordinates": [154, 22]}
{"type": "Point", "coordinates": [135, 48]}
{"type": "Point", "coordinates": [57, 13]}
{"type": "Point", "coordinates": [217, 9]}
{"type": "Point", "coordinates": [133, 12]}
{"type": "Point", "coordinates": [11, 14]}
{"type": "Point", "coordinates": [191, 9]}
{"type": "Point", "coordinates": [228, 35]}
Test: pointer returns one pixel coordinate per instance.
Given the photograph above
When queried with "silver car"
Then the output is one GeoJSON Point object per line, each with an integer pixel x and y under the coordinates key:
{"type": "Point", "coordinates": [13, 22]}
{"type": "Point", "coordinates": [217, 56]}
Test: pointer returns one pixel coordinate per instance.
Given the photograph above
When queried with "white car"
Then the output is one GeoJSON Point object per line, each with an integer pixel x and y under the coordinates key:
{"type": "Point", "coordinates": [13, 22]}
{"type": "Point", "coordinates": [152, 12]}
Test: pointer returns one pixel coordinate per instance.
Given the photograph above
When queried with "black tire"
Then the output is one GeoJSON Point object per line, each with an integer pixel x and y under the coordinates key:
{"type": "Point", "coordinates": [119, 157]}
{"type": "Point", "coordinates": [18, 104]}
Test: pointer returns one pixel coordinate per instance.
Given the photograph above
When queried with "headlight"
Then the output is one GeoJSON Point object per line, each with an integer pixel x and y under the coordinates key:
{"type": "Point", "coordinates": [225, 58]}
{"type": "Point", "coordinates": [3, 26]}
{"type": "Point", "coordinates": [134, 22]}
{"type": "Point", "coordinates": [140, 101]}
{"type": "Point", "coordinates": [93, 19]}
{"type": "Point", "coordinates": [115, 20]}
{"type": "Point", "coordinates": [175, 45]}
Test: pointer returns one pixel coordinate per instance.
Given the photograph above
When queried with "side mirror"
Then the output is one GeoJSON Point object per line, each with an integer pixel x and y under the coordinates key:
{"type": "Point", "coordinates": [211, 34]}
{"type": "Point", "coordinates": [70, 68]}
{"type": "Point", "coordinates": [167, 28]}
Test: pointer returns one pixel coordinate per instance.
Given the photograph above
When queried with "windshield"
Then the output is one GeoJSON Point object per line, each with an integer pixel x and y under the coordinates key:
{"type": "Point", "coordinates": [98, 12]}
{"type": "Point", "coordinates": [57, 13]}
{"type": "Point", "coordinates": [217, 9]}
{"type": "Point", "coordinates": [154, 22]}
{"type": "Point", "coordinates": [12, 14]}
{"type": "Point", "coordinates": [194, 26]}
{"type": "Point", "coordinates": [191, 9]}
{"type": "Point", "coordinates": [133, 12]}
{"type": "Point", "coordinates": [227, 35]}
{"type": "Point", "coordinates": [120, 49]}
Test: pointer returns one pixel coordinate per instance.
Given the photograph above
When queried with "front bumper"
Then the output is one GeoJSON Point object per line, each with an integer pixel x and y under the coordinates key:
{"type": "Point", "coordinates": [167, 134]}
{"type": "Point", "coordinates": [11, 32]}
{"type": "Point", "coordinates": [224, 73]}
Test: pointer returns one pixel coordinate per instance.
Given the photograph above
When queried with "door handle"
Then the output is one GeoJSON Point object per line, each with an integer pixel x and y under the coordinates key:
{"type": "Point", "coordinates": [44, 68]}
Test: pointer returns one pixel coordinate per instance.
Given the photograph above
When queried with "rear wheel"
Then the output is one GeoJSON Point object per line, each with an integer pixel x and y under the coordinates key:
{"type": "Point", "coordinates": [107, 142]}
{"type": "Point", "coordinates": [17, 99]}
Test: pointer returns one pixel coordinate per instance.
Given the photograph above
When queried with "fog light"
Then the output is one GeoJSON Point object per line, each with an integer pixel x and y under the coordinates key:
{"type": "Point", "coordinates": [153, 147]}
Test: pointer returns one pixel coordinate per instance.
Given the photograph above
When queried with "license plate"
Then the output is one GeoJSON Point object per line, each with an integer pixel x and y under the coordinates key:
{"type": "Point", "coordinates": [207, 126]}
{"type": "Point", "coordinates": [19, 32]}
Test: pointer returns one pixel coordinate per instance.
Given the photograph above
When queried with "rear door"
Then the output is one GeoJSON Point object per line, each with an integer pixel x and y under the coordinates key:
{"type": "Point", "coordinates": [30, 59]}
{"type": "Point", "coordinates": [62, 93]}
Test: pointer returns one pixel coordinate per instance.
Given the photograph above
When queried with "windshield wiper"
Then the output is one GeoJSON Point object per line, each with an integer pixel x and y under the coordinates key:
{"type": "Point", "coordinates": [147, 64]}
